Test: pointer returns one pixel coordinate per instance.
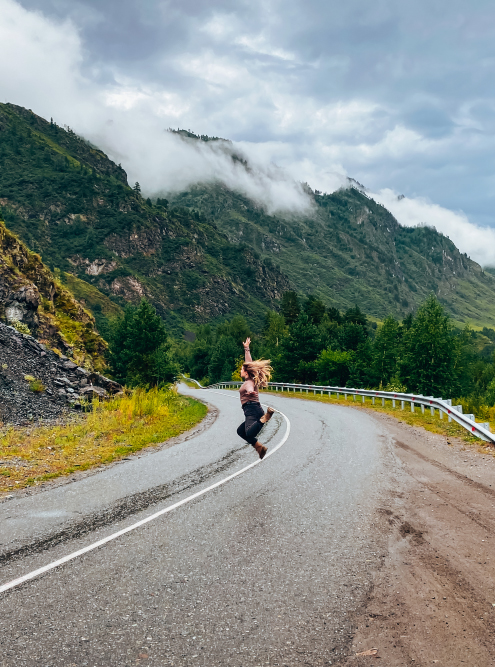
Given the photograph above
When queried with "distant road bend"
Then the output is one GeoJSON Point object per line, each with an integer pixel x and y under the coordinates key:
{"type": "Point", "coordinates": [205, 555]}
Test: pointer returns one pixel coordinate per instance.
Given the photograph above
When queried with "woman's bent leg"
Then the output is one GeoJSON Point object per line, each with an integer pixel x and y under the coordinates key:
{"type": "Point", "coordinates": [253, 430]}
{"type": "Point", "coordinates": [241, 431]}
{"type": "Point", "coordinates": [252, 424]}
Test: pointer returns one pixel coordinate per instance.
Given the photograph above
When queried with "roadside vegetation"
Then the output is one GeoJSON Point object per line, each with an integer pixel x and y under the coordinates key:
{"type": "Point", "coordinates": [109, 431]}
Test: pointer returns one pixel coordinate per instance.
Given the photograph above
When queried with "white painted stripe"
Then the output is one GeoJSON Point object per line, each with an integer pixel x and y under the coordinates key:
{"type": "Point", "coordinates": [114, 536]}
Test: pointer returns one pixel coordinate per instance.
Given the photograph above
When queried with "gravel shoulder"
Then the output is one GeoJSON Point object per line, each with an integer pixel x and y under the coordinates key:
{"type": "Point", "coordinates": [433, 599]}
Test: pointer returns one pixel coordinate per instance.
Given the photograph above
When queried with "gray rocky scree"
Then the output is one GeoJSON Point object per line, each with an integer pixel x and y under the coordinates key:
{"type": "Point", "coordinates": [64, 381]}
{"type": "Point", "coordinates": [21, 305]}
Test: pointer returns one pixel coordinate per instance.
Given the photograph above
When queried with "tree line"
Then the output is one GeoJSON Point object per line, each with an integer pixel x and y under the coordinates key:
{"type": "Point", "coordinates": [313, 344]}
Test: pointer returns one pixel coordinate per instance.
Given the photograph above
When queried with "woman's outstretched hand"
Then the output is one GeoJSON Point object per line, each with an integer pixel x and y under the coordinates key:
{"type": "Point", "coordinates": [246, 343]}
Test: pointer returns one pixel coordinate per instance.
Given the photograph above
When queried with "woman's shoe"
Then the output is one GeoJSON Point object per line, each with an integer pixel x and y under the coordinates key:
{"type": "Point", "coordinates": [267, 416]}
{"type": "Point", "coordinates": [261, 449]}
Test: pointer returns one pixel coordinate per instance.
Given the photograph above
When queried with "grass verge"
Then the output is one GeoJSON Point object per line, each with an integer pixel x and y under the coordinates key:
{"type": "Point", "coordinates": [416, 418]}
{"type": "Point", "coordinates": [109, 431]}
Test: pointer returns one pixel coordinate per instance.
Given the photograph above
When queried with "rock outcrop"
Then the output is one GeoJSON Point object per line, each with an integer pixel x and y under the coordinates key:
{"type": "Point", "coordinates": [31, 295]}
{"type": "Point", "coordinates": [38, 384]}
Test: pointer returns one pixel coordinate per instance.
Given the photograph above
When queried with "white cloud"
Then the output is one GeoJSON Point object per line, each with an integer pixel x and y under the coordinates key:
{"type": "Point", "coordinates": [127, 119]}
{"type": "Point", "coordinates": [300, 90]}
{"type": "Point", "coordinates": [477, 242]}
{"type": "Point", "coordinates": [40, 61]}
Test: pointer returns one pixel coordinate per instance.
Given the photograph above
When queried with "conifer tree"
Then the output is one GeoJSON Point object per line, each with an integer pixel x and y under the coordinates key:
{"type": "Point", "coordinates": [290, 307]}
{"type": "Point", "coordinates": [137, 336]}
{"type": "Point", "coordinates": [300, 348]}
{"type": "Point", "coordinates": [431, 353]}
{"type": "Point", "coordinates": [223, 359]}
{"type": "Point", "coordinates": [315, 309]}
{"type": "Point", "coordinates": [386, 350]}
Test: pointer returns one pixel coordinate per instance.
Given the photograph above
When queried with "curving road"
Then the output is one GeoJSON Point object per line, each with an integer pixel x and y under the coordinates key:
{"type": "Point", "coordinates": [266, 569]}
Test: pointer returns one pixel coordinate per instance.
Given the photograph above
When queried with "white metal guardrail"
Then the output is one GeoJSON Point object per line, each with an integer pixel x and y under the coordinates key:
{"type": "Point", "coordinates": [444, 406]}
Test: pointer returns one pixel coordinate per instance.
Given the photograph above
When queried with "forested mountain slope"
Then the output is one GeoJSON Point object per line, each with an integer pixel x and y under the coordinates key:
{"type": "Point", "coordinates": [350, 250]}
{"type": "Point", "coordinates": [70, 203]}
{"type": "Point", "coordinates": [211, 251]}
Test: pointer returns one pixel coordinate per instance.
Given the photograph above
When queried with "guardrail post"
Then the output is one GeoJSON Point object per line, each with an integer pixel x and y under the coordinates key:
{"type": "Point", "coordinates": [373, 400]}
{"type": "Point", "coordinates": [383, 402]}
{"type": "Point", "coordinates": [470, 416]}
{"type": "Point", "coordinates": [402, 404]}
{"type": "Point", "coordinates": [354, 397]}
{"type": "Point", "coordinates": [412, 406]}
{"type": "Point", "coordinates": [393, 402]}
{"type": "Point", "coordinates": [422, 408]}
{"type": "Point", "coordinates": [345, 396]}
{"type": "Point", "coordinates": [363, 398]}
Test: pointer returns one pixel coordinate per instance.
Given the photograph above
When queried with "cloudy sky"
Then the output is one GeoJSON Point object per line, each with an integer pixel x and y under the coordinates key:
{"type": "Point", "coordinates": [398, 95]}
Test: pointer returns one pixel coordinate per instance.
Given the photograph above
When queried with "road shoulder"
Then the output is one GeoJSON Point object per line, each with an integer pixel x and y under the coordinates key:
{"type": "Point", "coordinates": [432, 601]}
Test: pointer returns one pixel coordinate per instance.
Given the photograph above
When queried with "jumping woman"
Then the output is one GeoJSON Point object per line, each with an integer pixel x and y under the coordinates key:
{"type": "Point", "coordinates": [255, 374]}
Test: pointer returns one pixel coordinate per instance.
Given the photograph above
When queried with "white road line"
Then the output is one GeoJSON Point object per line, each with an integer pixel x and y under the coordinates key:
{"type": "Point", "coordinates": [114, 536]}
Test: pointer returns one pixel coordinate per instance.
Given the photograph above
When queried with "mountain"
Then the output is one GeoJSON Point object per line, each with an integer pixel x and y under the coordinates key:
{"type": "Point", "coordinates": [69, 202]}
{"type": "Point", "coordinates": [34, 301]}
{"type": "Point", "coordinates": [210, 252]}
{"type": "Point", "coordinates": [350, 250]}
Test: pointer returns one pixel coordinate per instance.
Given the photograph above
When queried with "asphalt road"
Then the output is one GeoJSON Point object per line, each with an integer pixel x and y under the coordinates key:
{"type": "Point", "coordinates": [267, 569]}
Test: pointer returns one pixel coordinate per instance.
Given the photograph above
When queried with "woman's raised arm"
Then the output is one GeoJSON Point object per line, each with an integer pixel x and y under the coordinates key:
{"type": "Point", "coordinates": [247, 353]}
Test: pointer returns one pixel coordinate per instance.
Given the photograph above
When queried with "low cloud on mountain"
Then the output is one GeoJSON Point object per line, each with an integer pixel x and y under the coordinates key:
{"type": "Point", "coordinates": [477, 242]}
{"type": "Point", "coordinates": [395, 95]}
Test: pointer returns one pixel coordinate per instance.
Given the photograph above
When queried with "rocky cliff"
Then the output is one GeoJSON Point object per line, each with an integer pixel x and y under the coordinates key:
{"type": "Point", "coordinates": [35, 302]}
{"type": "Point", "coordinates": [36, 383]}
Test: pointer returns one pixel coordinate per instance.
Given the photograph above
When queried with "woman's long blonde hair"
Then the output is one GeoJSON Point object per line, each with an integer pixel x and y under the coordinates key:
{"type": "Point", "coordinates": [259, 371]}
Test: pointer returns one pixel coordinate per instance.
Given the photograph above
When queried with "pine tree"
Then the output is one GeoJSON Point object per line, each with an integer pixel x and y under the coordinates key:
{"type": "Point", "coordinates": [290, 307]}
{"type": "Point", "coordinates": [315, 309]}
{"type": "Point", "coordinates": [137, 336]}
{"type": "Point", "coordinates": [334, 315]}
{"type": "Point", "coordinates": [386, 350]}
{"type": "Point", "coordinates": [431, 353]}
{"type": "Point", "coordinates": [165, 368]}
{"type": "Point", "coordinates": [356, 316]}
{"type": "Point", "coordinates": [223, 359]}
{"type": "Point", "coordinates": [299, 351]}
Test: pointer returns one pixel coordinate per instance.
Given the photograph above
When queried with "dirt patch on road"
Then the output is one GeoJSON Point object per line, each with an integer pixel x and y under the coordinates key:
{"type": "Point", "coordinates": [433, 600]}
